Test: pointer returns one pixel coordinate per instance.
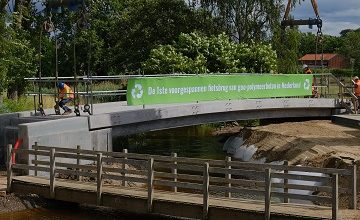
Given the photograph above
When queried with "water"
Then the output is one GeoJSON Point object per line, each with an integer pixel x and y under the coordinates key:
{"type": "Point", "coordinates": [195, 141]}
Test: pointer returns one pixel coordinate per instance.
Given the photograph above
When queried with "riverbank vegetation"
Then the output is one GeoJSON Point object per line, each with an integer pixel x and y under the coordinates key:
{"type": "Point", "coordinates": [113, 37]}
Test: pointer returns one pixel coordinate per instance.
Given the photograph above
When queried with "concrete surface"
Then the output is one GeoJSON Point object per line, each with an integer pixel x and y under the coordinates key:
{"type": "Point", "coordinates": [347, 120]}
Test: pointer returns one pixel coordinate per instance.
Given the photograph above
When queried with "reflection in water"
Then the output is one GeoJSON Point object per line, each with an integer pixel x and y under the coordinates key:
{"type": "Point", "coordinates": [194, 141]}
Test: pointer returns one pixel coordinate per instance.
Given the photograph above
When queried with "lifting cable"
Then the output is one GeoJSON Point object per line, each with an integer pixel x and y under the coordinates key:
{"type": "Point", "coordinates": [40, 97]}
{"type": "Point", "coordinates": [76, 91]}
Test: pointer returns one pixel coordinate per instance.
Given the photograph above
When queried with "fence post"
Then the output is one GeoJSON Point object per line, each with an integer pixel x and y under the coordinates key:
{"type": "Point", "coordinates": [286, 182]}
{"type": "Point", "coordinates": [206, 191]}
{"type": "Point", "coordinates": [353, 200]}
{"type": "Point", "coordinates": [150, 184]}
{"type": "Point", "coordinates": [78, 148]}
{"type": "Point", "coordinates": [174, 170]}
{"type": "Point", "coordinates": [52, 173]}
{"type": "Point", "coordinates": [36, 157]}
{"type": "Point", "coordinates": [9, 167]}
{"type": "Point", "coordinates": [267, 193]}
{"type": "Point", "coordinates": [124, 167]}
{"type": "Point", "coordinates": [228, 176]}
{"type": "Point", "coordinates": [335, 196]}
{"type": "Point", "coordinates": [99, 179]}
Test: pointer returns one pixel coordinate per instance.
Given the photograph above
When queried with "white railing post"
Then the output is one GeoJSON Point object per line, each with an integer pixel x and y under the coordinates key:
{"type": "Point", "coordinates": [99, 179]}
{"type": "Point", "coordinates": [286, 182]}
{"type": "Point", "coordinates": [335, 196]}
{"type": "Point", "coordinates": [353, 200]}
{"type": "Point", "coordinates": [174, 170]}
{"type": "Point", "coordinates": [206, 191]}
{"type": "Point", "coordinates": [267, 193]}
{"type": "Point", "coordinates": [52, 173]}
{"type": "Point", "coordinates": [9, 167]}
{"type": "Point", "coordinates": [150, 184]}
{"type": "Point", "coordinates": [124, 167]}
{"type": "Point", "coordinates": [228, 177]}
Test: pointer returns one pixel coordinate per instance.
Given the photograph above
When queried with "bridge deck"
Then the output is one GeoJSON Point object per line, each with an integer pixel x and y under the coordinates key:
{"type": "Point", "coordinates": [169, 203]}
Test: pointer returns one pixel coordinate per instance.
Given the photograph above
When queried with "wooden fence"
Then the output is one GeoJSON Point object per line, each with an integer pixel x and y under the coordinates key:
{"type": "Point", "coordinates": [211, 178]}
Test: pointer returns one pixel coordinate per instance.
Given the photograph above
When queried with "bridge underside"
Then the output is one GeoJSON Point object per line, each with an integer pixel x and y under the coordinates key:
{"type": "Point", "coordinates": [130, 129]}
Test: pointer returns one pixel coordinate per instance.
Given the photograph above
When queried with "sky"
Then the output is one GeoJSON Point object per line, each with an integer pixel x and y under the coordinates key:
{"type": "Point", "coordinates": [337, 15]}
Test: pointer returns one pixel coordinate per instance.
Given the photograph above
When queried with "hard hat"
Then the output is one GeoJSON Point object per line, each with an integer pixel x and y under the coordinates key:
{"type": "Point", "coordinates": [356, 78]}
{"type": "Point", "coordinates": [305, 66]}
{"type": "Point", "coordinates": [60, 85]}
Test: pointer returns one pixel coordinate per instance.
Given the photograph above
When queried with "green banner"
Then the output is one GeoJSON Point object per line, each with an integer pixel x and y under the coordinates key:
{"type": "Point", "coordinates": [161, 90]}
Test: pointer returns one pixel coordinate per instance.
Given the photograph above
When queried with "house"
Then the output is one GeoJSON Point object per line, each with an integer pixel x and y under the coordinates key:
{"type": "Point", "coordinates": [330, 61]}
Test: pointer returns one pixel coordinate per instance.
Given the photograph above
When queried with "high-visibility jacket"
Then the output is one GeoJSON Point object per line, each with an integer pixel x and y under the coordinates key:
{"type": "Point", "coordinates": [357, 88]}
{"type": "Point", "coordinates": [66, 93]}
{"type": "Point", "coordinates": [308, 71]}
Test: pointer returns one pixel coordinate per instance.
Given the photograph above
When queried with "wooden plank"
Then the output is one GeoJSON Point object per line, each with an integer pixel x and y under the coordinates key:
{"type": "Point", "coordinates": [31, 152]}
{"type": "Point", "coordinates": [78, 177]}
{"type": "Point", "coordinates": [182, 167]}
{"type": "Point", "coordinates": [30, 167]}
{"type": "Point", "coordinates": [322, 179]}
{"type": "Point", "coordinates": [52, 173]}
{"type": "Point", "coordinates": [127, 178]}
{"type": "Point", "coordinates": [36, 158]}
{"type": "Point", "coordinates": [9, 168]}
{"type": "Point", "coordinates": [99, 179]}
{"type": "Point", "coordinates": [75, 156]}
{"type": "Point", "coordinates": [120, 170]}
{"type": "Point", "coordinates": [66, 165]}
{"type": "Point", "coordinates": [67, 150]}
{"type": "Point", "coordinates": [150, 183]}
{"type": "Point", "coordinates": [286, 182]}
{"type": "Point", "coordinates": [353, 200]}
{"type": "Point", "coordinates": [206, 191]}
{"type": "Point", "coordinates": [174, 170]}
{"type": "Point", "coordinates": [237, 190]}
{"type": "Point", "coordinates": [228, 176]}
{"type": "Point", "coordinates": [257, 166]}
{"type": "Point", "coordinates": [125, 161]}
{"type": "Point", "coordinates": [124, 167]}
{"type": "Point", "coordinates": [335, 197]}
{"type": "Point", "coordinates": [267, 193]}
{"type": "Point", "coordinates": [184, 185]}
{"type": "Point", "coordinates": [234, 171]}
{"type": "Point", "coordinates": [312, 198]}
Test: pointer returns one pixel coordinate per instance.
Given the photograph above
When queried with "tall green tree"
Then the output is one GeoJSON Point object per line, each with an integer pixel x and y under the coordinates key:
{"type": "Point", "coordinates": [246, 20]}
{"type": "Point", "coordinates": [351, 47]}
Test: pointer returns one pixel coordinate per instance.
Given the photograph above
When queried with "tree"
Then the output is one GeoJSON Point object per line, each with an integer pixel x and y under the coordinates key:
{"type": "Point", "coordinates": [351, 47]}
{"type": "Point", "coordinates": [246, 20]}
{"type": "Point", "coordinates": [195, 53]}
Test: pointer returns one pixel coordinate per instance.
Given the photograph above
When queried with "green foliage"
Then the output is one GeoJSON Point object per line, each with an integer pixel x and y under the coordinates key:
{"type": "Point", "coordinates": [342, 72]}
{"type": "Point", "coordinates": [246, 20]}
{"type": "Point", "coordinates": [330, 44]}
{"type": "Point", "coordinates": [22, 104]}
{"type": "Point", "coordinates": [287, 48]}
{"type": "Point", "coordinates": [195, 53]}
{"type": "Point", "coordinates": [351, 47]}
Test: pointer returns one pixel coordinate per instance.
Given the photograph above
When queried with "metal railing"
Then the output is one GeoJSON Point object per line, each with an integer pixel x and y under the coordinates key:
{"type": "Point", "coordinates": [326, 85]}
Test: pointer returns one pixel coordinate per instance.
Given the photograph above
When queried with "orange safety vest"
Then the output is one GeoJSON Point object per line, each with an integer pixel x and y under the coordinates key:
{"type": "Point", "coordinates": [357, 88]}
{"type": "Point", "coordinates": [66, 93]}
{"type": "Point", "coordinates": [308, 71]}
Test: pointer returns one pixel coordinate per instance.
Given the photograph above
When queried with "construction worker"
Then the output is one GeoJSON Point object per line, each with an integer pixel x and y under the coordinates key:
{"type": "Point", "coordinates": [66, 95]}
{"type": "Point", "coordinates": [306, 69]}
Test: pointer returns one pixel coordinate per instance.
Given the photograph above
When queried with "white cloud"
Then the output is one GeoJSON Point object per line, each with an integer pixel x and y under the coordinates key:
{"type": "Point", "coordinates": [352, 12]}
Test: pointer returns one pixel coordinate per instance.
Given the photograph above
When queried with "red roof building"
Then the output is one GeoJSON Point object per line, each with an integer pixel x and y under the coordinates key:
{"type": "Point", "coordinates": [330, 60]}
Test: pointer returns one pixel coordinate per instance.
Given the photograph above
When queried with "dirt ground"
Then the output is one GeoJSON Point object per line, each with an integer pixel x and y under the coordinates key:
{"type": "Point", "coordinates": [317, 143]}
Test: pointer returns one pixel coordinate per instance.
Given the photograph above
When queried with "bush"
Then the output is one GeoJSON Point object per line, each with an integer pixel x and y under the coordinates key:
{"type": "Point", "coordinates": [343, 72]}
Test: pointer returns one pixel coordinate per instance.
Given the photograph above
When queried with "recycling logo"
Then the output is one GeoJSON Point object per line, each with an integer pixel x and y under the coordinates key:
{"type": "Point", "coordinates": [307, 84]}
{"type": "Point", "coordinates": [137, 91]}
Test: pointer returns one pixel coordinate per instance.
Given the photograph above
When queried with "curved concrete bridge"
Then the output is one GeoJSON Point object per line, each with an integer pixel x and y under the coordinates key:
{"type": "Point", "coordinates": [117, 119]}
